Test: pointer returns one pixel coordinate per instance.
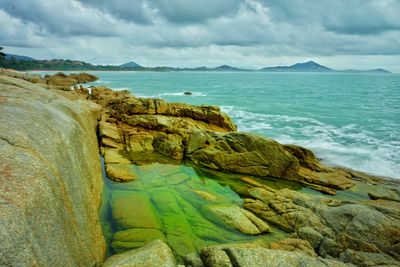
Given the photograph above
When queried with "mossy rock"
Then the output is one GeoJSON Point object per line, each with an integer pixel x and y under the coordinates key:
{"type": "Point", "coordinates": [132, 209]}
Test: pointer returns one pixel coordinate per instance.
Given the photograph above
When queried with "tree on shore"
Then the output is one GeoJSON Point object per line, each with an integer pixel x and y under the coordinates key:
{"type": "Point", "coordinates": [2, 55]}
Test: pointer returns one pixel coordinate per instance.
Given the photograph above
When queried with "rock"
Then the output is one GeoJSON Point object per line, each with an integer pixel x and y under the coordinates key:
{"type": "Point", "coordinates": [115, 156]}
{"type": "Point", "coordinates": [262, 257]}
{"type": "Point", "coordinates": [368, 258]}
{"type": "Point", "coordinates": [156, 253]}
{"type": "Point", "coordinates": [133, 209]}
{"type": "Point", "coordinates": [295, 245]}
{"type": "Point", "coordinates": [311, 235]}
{"type": "Point", "coordinates": [238, 218]}
{"type": "Point", "coordinates": [382, 192]}
{"type": "Point", "coordinates": [331, 226]}
{"type": "Point", "coordinates": [61, 81]}
{"type": "Point", "coordinates": [121, 172]}
{"type": "Point", "coordinates": [86, 77]}
{"type": "Point", "coordinates": [134, 238]}
{"type": "Point", "coordinates": [248, 154]}
{"type": "Point", "coordinates": [205, 195]}
{"type": "Point", "coordinates": [193, 260]}
{"type": "Point", "coordinates": [51, 182]}
{"type": "Point", "coordinates": [215, 257]}
{"type": "Point", "coordinates": [187, 93]}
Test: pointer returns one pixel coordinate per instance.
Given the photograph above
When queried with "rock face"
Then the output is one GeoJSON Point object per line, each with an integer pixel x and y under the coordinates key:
{"type": "Point", "coordinates": [156, 253]}
{"type": "Point", "coordinates": [334, 228]}
{"type": "Point", "coordinates": [51, 179]}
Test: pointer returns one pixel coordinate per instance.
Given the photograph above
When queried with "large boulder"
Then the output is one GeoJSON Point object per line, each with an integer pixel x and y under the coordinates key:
{"type": "Point", "coordinates": [250, 154]}
{"type": "Point", "coordinates": [50, 178]}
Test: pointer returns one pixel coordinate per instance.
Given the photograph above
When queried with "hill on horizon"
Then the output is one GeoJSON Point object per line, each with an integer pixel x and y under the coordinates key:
{"type": "Point", "coordinates": [130, 64]}
{"type": "Point", "coordinates": [20, 62]}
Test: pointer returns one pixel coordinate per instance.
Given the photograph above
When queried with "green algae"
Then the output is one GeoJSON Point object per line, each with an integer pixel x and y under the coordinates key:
{"type": "Point", "coordinates": [163, 204]}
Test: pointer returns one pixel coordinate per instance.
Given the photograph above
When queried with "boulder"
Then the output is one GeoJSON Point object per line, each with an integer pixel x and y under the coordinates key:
{"type": "Point", "coordinates": [240, 219]}
{"type": "Point", "coordinates": [295, 245]}
{"type": "Point", "coordinates": [156, 253]}
{"type": "Point", "coordinates": [121, 172]}
{"type": "Point", "coordinates": [249, 154]}
{"type": "Point", "coordinates": [51, 182]}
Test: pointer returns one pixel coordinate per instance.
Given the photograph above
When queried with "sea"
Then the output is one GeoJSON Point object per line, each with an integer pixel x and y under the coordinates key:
{"type": "Point", "coordinates": [350, 120]}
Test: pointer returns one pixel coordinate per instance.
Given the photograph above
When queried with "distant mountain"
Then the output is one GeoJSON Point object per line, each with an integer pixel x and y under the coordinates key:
{"type": "Point", "coordinates": [130, 65]}
{"type": "Point", "coordinates": [378, 71]}
{"type": "Point", "coordinates": [225, 68]}
{"type": "Point", "coordinates": [309, 66]}
{"type": "Point", "coordinates": [25, 63]}
{"type": "Point", "coordinates": [18, 57]}
{"type": "Point", "coordinates": [312, 66]}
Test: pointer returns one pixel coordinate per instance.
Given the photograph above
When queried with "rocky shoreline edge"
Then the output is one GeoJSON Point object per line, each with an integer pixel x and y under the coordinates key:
{"type": "Point", "coordinates": [51, 181]}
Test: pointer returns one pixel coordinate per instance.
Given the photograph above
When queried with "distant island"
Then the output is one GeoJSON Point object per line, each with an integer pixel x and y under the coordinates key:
{"type": "Point", "coordinates": [25, 63]}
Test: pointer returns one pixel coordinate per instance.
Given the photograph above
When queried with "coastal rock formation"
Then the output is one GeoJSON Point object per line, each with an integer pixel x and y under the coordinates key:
{"type": "Point", "coordinates": [156, 253]}
{"type": "Point", "coordinates": [51, 180]}
{"type": "Point", "coordinates": [207, 137]}
{"type": "Point", "coordinates": [334, 228]}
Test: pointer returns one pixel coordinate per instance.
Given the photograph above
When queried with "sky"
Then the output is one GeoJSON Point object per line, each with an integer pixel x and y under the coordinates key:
{"type": "Point", "coordinates": [343, 34]}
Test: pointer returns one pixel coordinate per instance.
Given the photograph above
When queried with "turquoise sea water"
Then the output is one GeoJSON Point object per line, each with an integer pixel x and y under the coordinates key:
{"type": "Point", "coordinates": [351, 120]}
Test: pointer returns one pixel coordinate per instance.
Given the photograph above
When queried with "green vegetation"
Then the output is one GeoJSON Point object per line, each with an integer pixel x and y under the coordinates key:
{"type": "Point", "coordinates": [2, 55]}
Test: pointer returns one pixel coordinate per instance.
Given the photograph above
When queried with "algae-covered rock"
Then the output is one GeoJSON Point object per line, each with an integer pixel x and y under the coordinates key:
{"type": "Point", "coordinates": [134, 238]}
{"type": "Point", "coordinates": [240, 219]}
{"type": "Point", "coordinates": [156, 253]}
{"type": "Point", "coordinates": [205, 195]}
{"type": "Point", "coordinates": [50, 178]}
{"type": "Point", "coordinates": [133, 210]}
{"type": "Point", "coordinates": [249, 154]}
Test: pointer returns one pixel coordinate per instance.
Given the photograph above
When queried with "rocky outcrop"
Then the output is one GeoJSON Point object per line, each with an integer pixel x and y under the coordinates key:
{"type": "Point", "coordinates": [334, 228]}
{"type": "Point", "coordinates": [156, 253]}
{"type": "Point", "coordinates": [51, 180]}
{"type": "Point", "coordinates": [205, 136]}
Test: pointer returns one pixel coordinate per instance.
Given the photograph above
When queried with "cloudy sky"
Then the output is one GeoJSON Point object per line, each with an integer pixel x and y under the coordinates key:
{"type": "Point", "coordinates": [244, 33]}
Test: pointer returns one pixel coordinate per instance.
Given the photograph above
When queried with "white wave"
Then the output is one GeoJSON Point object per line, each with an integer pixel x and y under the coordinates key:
{"type": "Point", "coordinates": [348, 146]}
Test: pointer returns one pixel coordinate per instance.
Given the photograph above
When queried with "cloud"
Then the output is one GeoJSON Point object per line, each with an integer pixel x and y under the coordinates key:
{"type": "Point", "coordinates": [201, 32]}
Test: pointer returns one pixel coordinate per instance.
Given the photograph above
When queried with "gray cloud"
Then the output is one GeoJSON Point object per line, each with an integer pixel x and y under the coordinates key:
{"type": "Point", "coordinates": [247, 30]}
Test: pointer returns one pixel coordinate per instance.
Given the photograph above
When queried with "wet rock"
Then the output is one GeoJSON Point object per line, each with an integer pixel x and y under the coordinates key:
{"type": "Point", "coordinates": [187, 93]}
{"type": "Point", "coordinates": [240, 219]}
{"type": "Point", "coordinates": [205, 195]}
{"type": "Point", "coordinates": [156, 253]}
{"type": "Point", "coordinates": [133, 210]}
{"type": "Point", "coordinates": [121, 172]}
{"type": "Point", "coordinates": [135, 238]}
